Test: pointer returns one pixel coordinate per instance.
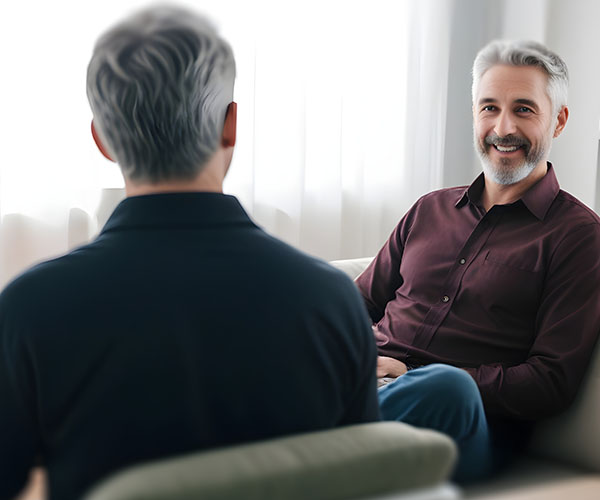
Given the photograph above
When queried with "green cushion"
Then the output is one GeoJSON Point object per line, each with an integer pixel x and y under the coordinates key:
{"type": "Point", "coordinates": [342, 463]}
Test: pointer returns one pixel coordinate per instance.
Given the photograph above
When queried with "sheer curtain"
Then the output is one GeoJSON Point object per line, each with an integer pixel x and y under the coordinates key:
{"type": "Point", "coordinates": [346, 103]}
{"type": "Point", "coordinates": [340, 128]}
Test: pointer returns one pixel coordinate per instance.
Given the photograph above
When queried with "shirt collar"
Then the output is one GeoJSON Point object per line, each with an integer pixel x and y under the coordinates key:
{"type": "Point", "coordinates": [537, 199]}
{"type": "Point", "coordinates": [177, 210]}
{"type": "Point", "coordinates": [471, 193]}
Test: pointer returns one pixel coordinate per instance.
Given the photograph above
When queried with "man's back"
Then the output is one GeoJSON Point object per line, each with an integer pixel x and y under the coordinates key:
{"type": "Point", "coordinates": [182, 327]}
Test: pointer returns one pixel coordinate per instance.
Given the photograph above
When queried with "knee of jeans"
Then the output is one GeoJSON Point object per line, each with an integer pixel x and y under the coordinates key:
{"type": "Point", "coordinates": [458, 399]}
{"type": "Point", "coordinates": [453, 385]}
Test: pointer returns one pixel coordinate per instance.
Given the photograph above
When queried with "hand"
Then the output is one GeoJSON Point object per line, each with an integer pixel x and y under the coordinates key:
{"type": "Point", "coordinates": [390, 367]}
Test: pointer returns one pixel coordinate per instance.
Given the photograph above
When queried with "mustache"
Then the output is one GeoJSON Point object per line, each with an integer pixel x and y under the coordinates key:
{"type": "Point", "coordinates": [507, 141]}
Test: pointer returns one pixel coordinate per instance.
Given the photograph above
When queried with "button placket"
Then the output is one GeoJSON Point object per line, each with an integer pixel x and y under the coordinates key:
{"type": "Point", "coordinates": [470, 249]}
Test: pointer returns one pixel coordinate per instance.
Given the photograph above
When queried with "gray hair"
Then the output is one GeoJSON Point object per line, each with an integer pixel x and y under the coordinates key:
{"type": "Point", "coordinates": [159, 84]}
{"type": "Point", "coordinates": [525, 53]}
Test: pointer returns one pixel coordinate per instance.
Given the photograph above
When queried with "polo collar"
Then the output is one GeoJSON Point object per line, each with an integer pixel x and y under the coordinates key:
{"type": "Point", "coordinates": [177, 210]}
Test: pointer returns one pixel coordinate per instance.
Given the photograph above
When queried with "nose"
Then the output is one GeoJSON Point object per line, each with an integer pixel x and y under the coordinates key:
{"type": "Point", "coordinates": [505, 124]}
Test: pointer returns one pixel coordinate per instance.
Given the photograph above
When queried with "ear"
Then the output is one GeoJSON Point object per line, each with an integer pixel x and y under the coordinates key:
{"type": "Point", "coordinates": [99, 143]}
{"type": "Point", "coordinates": [562, 118]}
{"type": "Point", "coordinates": [230, 126]}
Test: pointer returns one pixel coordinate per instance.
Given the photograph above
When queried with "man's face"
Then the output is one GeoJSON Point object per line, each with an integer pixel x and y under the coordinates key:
{"type": "Point", "coordinates": [512, 122]}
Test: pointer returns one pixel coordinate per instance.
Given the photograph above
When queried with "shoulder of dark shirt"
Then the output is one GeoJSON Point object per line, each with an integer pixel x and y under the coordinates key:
{"type": "Point", "coordinates": [311, 273]}
{"type": "Point", "coordinates": [568, 205]}
{"type": "Point", "coordinates": [451, 194]}
{"type": "Point", "coordinates": [296, 272]}
{"type": "Point", "coordinates": [41, 279]}
{"type": "Point", "coordinates": [446, 197]}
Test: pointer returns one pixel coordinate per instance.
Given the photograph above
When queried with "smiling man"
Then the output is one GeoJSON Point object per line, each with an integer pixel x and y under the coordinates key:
{"type": "Point", "coordinates": [485, 300]}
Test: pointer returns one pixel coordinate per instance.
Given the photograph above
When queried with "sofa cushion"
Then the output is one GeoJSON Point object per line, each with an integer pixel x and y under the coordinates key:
{"type": "Point", "coordinates": [347, 462]}
{"type": "Point", "coordinates": [574, 435]}
{"type": "Point", "coordinates": [352, 267]}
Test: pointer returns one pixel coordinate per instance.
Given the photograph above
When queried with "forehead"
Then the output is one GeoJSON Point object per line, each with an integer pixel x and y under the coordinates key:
{"type": "Point", "coordinates": [503, 82]}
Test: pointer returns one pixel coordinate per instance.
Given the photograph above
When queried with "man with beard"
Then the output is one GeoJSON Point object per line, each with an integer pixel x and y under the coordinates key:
{"type": "Point", "coordinates": [485, 300]}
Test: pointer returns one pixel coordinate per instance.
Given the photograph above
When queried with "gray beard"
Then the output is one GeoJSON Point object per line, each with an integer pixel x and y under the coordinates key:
{"type": "Point", "coordinates": [505, 176]}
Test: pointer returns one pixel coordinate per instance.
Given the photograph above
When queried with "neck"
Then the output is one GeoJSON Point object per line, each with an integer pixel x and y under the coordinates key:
{"type": "Point", "coordinates": [498, 194]}
{"type": "Point", "coordinates": [210, 179]}
{"type": "Point", "coordinates": [139, 189]}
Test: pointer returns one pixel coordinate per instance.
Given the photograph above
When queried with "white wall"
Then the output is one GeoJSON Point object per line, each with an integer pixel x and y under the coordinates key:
{"type": "Point", "coordinates": [473, 24]}
{"type": "Point", "coordinates": [573, 31]}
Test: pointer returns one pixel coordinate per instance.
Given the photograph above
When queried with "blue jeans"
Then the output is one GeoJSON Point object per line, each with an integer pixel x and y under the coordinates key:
{"type": "Point", "coordinates": [446, 399]}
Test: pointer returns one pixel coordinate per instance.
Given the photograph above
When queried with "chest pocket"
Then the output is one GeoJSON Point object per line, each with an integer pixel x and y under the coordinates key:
{"type": "Point", "coordinates": [510, 283]}
{"type": "Point", "coordinates": [516, 262]}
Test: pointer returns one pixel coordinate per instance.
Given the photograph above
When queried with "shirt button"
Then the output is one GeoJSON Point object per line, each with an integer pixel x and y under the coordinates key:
{"type": "Point", "coordinates": [462, 261]}
{"type": "Point", "coordinates": [445, 298]}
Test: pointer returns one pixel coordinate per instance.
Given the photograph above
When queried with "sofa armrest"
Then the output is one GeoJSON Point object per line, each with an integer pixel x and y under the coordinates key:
{"type": "Point", "coordinates": [352, 267]}
{"type": "Point", "coordinates": [574, 435]}
{"type": "Point", "coordinates": [347, 462]}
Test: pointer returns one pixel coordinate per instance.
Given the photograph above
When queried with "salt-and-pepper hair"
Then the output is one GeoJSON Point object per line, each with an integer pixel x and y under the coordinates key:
{"type": "Point", "coordinates": [159, 84]}
{"type": "Point", "coordinates": [525, 53]}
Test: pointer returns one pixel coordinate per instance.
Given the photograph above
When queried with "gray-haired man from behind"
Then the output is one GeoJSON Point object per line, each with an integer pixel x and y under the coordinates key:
{"type": "Point", "coordinates": [183, 326]}
{"type": "Point", "coordinates": [485, 300]}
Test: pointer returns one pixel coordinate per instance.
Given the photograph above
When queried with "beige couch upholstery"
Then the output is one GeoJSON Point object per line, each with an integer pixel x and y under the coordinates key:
{"type": "Point", "coordinates": [563, 460]}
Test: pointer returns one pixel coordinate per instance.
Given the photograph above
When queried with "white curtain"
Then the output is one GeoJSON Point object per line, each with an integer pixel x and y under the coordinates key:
{"type": "Point", "coordinates": [347, 121]}
{"type": "Point", "coordinates": [340, 128]}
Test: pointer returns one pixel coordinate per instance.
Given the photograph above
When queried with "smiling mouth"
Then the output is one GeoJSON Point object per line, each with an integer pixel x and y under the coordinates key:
{"type": "Point", "coordinates": [506, 149]}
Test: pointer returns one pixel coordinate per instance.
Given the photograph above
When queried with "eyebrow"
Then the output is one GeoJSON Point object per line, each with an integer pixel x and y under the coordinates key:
{"type": "Point", "coordinates": [527, 102]}
{"type": "Point", "coordinates": [491, 100]}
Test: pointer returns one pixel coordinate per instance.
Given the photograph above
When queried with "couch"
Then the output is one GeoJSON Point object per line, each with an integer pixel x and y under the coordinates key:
{"type": "Point", "coordinates": [376, 461]}
{"type": "Point", "coordinates": [563, 458]}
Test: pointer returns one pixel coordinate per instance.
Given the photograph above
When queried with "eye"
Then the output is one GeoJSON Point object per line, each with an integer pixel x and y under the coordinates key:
{"type": "Point", "coordinates": [489, 107]}
{"type": "Point", "coordinates": [524, 109]}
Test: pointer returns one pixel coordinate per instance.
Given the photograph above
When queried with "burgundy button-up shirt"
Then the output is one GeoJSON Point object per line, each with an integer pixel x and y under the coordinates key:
{"type": "Point", "coordinates": [511, 295]}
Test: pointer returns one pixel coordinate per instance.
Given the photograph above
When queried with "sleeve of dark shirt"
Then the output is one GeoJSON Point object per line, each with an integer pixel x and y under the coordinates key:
{"type": "Point", "coordinates": [363, 405]}
{"type": "Point", "coordinates": [567, 325]}
{"type": "Point", "coordinates": [380, 280]}
{"type": "Point", "coordinates": [344, 332]}
{"type": "Point", "coordinates": [17, 432]}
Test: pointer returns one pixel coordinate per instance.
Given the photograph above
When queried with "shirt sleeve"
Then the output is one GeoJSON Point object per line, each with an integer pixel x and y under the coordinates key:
{"type": "Point", "coordinates": [567, 326]}
{"type": "Point", "coordinates": [17, 435]}
{"type": "Point", "coordinates": [364, 406]}
{"type": "Point", "coordinates": [380, 280]}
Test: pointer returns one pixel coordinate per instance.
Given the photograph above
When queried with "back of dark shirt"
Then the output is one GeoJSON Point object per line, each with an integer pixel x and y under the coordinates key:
{"type": "Point", "coordinates": [182, 327]}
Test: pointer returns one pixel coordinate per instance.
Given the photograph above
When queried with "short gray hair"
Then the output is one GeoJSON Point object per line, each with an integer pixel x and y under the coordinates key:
{"type": "Point", "coordinates": [159, 84]}
{"type": "Point", "coordinates": [525, 53]}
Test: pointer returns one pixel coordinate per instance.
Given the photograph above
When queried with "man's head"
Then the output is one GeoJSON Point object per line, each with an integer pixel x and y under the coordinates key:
{"type": "Point", "coordinates": [519, 104]}
{"type": "Point", "coordinates": [160, 85]}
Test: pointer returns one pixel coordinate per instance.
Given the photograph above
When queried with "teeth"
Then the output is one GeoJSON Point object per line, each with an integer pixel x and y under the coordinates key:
{"type": "Point", "coordinates": [506, 149]}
